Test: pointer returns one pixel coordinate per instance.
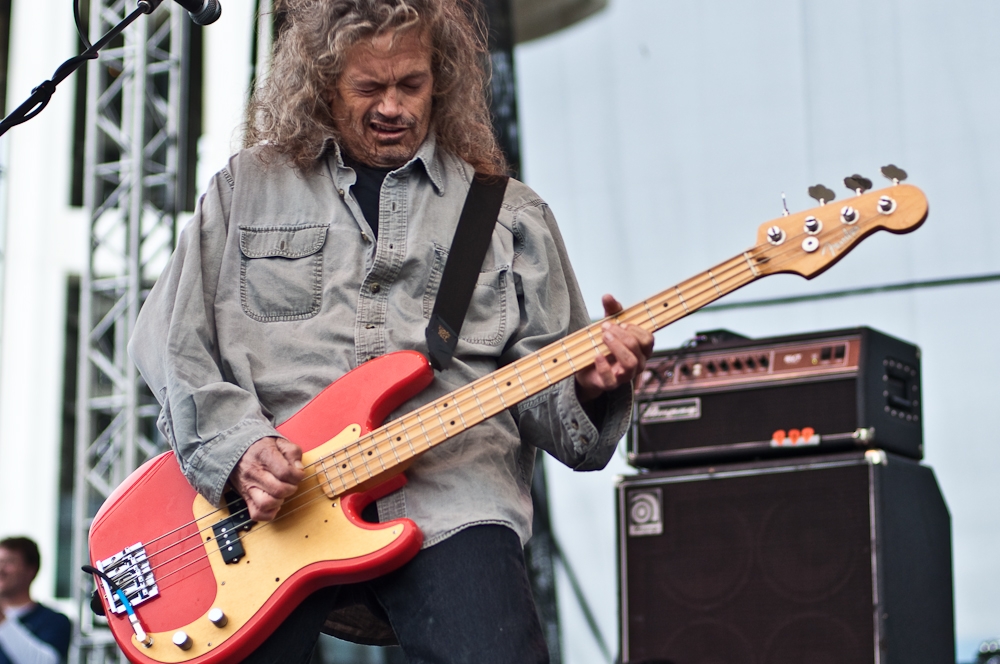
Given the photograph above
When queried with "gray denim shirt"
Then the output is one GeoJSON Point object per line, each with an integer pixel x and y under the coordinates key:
{"type": "Point", "coordinates": [277, 288]}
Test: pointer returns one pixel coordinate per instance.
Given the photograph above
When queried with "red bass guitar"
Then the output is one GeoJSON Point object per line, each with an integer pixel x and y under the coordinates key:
{"type": "Point", "coordinates": [185, 581]}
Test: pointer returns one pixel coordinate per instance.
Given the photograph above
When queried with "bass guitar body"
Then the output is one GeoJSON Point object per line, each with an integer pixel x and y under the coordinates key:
{"type": "Point", "coordinates": [208, 586]}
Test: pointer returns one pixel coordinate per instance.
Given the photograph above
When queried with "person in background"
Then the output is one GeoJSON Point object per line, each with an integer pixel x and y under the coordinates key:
{"type": "Point", "coordinates": [30, 633]}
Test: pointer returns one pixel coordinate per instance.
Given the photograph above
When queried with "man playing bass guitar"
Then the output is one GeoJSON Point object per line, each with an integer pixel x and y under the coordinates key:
{"type": "Point", "coordinates": [319, 247]}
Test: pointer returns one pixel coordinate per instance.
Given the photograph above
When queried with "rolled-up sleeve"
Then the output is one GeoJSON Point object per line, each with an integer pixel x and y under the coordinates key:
{"type": "Point", "coordinates": [208, 421]}
{"type": "Point", "coordinates": [551, 306]}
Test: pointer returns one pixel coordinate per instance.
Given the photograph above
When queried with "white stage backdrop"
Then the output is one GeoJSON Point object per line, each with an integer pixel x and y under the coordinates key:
{"type": "Point", "coordinates": [663, 134]}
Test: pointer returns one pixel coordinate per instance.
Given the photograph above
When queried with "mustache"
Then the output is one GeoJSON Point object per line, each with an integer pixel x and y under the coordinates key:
{"type": "Point", "coordinates": [400, 121]}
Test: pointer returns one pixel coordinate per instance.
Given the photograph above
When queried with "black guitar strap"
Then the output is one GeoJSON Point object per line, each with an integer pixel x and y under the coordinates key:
{"type": "Point", "coordinates": [461, 270]}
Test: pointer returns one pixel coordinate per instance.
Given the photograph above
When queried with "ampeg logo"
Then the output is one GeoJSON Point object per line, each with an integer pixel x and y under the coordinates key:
{"type": "Point", "coordinates": [673, 410]}
{"type": "Point", "coordinates": [645, 514]}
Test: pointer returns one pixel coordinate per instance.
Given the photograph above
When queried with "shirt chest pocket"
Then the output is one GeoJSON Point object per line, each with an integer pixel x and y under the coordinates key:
{"type": "Point", "coordinates": [492, 313]}
{"type": "Point", "coordinates": [281, 271]}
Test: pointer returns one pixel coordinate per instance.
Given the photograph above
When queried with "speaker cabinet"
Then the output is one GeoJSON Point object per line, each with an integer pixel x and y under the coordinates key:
{"type": "Point", "coordinates": [835, 559]}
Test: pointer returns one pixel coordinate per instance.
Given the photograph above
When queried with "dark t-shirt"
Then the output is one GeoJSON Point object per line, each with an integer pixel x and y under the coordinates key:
{"type": "Point", "coordinates": [368, 189]}
{"type": "Point", "coordinates": [47, 625]}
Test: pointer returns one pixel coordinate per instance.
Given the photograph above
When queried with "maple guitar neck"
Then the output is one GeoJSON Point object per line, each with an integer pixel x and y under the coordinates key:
{"type": "Point", "coordinates": [806, 243]}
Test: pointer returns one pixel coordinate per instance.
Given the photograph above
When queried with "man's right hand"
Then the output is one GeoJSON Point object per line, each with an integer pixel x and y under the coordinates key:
{"type": "Point", "coordinates": [267, 473]}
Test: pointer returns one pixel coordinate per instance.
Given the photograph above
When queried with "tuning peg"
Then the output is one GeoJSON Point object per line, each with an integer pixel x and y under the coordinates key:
{"type": "Point", "coordinates": [894, 173]}
{"type": "Point", "coordinates": [821, 194]}
{"type": "Point", "coordinates": [858, 183]}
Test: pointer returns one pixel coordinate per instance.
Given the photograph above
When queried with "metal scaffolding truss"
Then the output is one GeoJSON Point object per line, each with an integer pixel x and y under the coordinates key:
{"type": "Point", "coordinates": [135, 95]}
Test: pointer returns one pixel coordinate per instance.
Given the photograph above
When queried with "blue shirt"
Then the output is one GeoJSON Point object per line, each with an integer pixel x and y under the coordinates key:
{"type": "Point", "coordinates": [42, 624]}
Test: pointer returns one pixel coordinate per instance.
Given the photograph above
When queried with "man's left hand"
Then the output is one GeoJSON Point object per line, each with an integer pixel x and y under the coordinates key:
{"type": "Point", "coordinates": [629, 346]}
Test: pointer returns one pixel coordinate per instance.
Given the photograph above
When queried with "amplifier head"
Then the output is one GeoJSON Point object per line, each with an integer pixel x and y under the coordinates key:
{"type": "Point", "coordinates": [745, 398]}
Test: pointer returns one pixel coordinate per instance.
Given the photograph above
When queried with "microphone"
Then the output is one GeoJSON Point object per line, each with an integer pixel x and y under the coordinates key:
{"type": "Point", "coordinates": [202, 12]}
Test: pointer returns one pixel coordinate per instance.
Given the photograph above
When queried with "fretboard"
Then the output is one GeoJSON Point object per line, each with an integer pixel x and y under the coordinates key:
{"type": "Point", "coordinates": [401, 440]}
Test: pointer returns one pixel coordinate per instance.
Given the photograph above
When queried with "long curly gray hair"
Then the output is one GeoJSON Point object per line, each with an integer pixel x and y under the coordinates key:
{"type": "Point", "coordinates": [290, 110]}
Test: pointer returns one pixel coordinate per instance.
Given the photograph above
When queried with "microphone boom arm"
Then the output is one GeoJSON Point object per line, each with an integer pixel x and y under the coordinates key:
{"type": "Point", "coordinates": [42, 94]}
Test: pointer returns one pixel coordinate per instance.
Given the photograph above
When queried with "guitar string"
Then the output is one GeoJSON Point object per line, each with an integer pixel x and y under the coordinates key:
{"type": "Point", "coordinates": [526, 376]}
{"type": "Point", "coordinates": [295, 498]}
{"type": "Point", "coordinates": [638, 311]}
{"type": "Point", "coordinates": [418, 417]}
{"type": "Point", "coordinates": [287, 513]}
{"type": "Point", "coordinates": [585, 336]}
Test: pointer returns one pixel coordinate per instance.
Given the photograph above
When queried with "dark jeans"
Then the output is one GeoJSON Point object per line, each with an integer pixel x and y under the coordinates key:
{"type": "Point", "coordinates": [464, 600]}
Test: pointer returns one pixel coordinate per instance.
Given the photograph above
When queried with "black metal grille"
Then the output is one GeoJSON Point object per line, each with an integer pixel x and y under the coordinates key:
{"type": "Point", "coordinates": [763, 568]}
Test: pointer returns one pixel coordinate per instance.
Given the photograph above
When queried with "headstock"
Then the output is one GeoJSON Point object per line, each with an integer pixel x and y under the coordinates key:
{"type": "Point", "coordinates": [807, 243]}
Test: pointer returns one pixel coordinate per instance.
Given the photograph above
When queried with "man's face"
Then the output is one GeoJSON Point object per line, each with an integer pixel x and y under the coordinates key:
{"type": "Point", "coordinates": [15, 575]}
{"type": "Point", "coordinates": [382, 101]}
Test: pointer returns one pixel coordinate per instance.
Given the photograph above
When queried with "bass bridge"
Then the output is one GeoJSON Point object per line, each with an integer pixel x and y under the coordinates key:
{"type": "Point", "coordinates": [129, 572]}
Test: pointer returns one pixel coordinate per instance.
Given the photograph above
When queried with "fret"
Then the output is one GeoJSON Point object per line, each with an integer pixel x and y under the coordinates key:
{"type": "Point", "coordinates": [444, 427]}
{"type": "Point", "coordinates": [680, 297]}
{"type": "Point", "coordinates": [594, 343]}
{"type": "Point", "coordinates": [524, 388]}
{"type": "Point", "coordinates": [480, 405]}
{"type": "Point", "coordinates": [403, 436]}
{"type": "Point", "coordinates": [340, 480]}
{"type": "Point", "coordinates": [354, 463]}
{"type": "Point", "coordinates": [714, 283]}
{"type": "Point", "coordinates": [545, 371]}
{"type": "Point", "coordinates": [459, 413]}
{"type": "Point", "coordinates": [649, 312]}
{"type": "Point", "coordinates": [347, 465]}
{"type": "Point", "coordinates": [496, 386]}
{"type": "Point", "coordinates": [753, 269]}
{"type": "Point", "coordinates": [569, 356]}
{"type": "Point", "coordinates": [364, 458]}
{"type": "Point", "coordinates": [376, 454]}
{"type": "Point", "coordinates": [326, 473]}
{"type": "Point", "coordinates": [427, 436]}
{"type": "Point", "coordinates": [392, 445]}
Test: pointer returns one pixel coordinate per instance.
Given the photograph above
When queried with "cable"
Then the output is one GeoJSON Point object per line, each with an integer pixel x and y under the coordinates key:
{"type": "Point", "coordinates": [79, 24]}
{"type": "Point", "coordinates": [140, 632]}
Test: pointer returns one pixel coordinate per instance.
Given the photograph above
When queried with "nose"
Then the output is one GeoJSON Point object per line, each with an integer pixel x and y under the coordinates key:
{"type": "Point", "coordinates": [389, 105]}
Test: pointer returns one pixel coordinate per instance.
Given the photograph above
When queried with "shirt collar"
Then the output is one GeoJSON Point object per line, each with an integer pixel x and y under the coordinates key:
{"type": "Point", "coordinates": [18, 611]}
{"type": "Point", "coordinates": [427, 155]}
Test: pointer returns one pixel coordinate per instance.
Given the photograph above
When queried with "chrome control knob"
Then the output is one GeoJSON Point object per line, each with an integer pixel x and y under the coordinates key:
{"type": "Point", "coordinates": [217, 617]}
{"type": "Point", "coordinates": [182, 640]}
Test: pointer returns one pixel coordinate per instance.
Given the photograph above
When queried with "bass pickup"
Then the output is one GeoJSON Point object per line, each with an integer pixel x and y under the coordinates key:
{"type": "Point", "coordinates": [227, 532]}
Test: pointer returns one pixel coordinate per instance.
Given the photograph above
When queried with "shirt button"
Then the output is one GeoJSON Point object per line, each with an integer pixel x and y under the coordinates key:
{"type": "Point", "coordinates": [574, 424]}
{"type": "Point", "coordinates": [393, 206]}
{"type": "Point", "coordinates": [369, 326]}
{"type": "Point", "coordinates": [376, 288]}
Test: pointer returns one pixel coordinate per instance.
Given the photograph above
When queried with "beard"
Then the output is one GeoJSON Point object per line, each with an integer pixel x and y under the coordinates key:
{"type": "Point", "coordinates": [360, 140]}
